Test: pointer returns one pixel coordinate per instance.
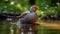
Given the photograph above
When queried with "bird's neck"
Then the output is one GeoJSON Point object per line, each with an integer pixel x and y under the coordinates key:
{"type": "Point", "coordinates": [32, 11]}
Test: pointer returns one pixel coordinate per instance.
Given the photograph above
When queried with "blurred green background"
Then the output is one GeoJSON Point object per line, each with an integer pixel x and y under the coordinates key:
{"type": "Point", "coordinates": [47, 7]}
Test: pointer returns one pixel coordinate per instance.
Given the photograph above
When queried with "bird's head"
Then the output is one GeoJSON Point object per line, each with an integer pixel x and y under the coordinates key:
{"type": "Point", "coordinates": [34, 8]}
